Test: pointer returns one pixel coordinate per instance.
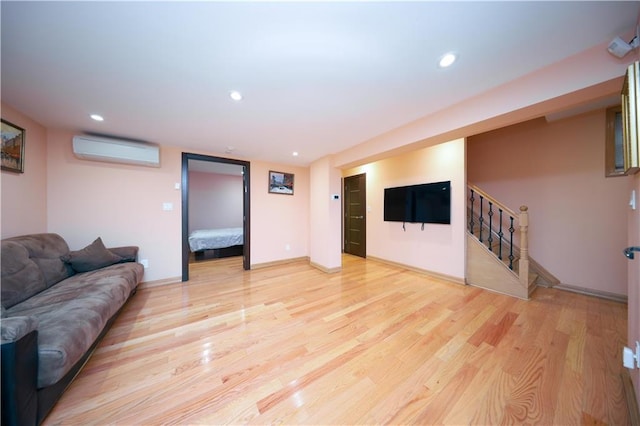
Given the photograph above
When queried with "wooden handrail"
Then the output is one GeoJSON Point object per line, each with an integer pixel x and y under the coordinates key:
{"type": "Point", "coordinates": [493, 200]}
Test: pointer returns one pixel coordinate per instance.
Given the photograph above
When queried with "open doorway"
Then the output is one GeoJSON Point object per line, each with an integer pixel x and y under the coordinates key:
{"type": "Point", "coordinates": [214, 224]}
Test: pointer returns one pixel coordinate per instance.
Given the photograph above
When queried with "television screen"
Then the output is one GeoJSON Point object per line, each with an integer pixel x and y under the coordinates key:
{"type": "Point", "coordinates": [397, 205]}
{"type": "Point", "coordinates": [426, 203]}
{"type": "Point", "coordinates": [432, 203]}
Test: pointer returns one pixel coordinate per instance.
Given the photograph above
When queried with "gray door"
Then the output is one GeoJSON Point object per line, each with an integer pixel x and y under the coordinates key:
{"type": "Point", "coordinates": [355, 215]}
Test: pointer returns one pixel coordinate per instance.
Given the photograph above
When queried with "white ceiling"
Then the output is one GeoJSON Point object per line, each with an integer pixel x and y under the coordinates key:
{"type": "Point", "coordinates": [317, 77]}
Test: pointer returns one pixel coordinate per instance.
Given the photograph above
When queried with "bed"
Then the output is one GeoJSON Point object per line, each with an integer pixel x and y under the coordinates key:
{"type": "Point", "coordinates": [216, 243]}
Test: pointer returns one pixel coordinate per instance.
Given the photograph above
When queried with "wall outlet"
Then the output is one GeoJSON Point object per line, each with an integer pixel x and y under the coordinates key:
{"type": "Point", "coordinates": [145, 263]}
{"type": "Point", "coordinates": [167, 207]}
{"type": "Point", "coordinates": [287, 247]}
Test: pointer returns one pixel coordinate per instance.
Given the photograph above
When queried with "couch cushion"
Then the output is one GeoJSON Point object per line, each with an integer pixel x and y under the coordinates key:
{"type": "Point", "coordinates": [46, 250]}
{"type": "Point", "coordinates": [21, 276]}
{"type": "Point", "coordinates": [73, 313]}
{"type": "Point", "coordinates": [92, 257]}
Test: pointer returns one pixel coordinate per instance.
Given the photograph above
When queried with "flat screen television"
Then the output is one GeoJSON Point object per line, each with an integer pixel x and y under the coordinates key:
{"type": "Point", "coordinates": [397, 205]}
{"type": "Point", "coordinates": [432, 203]}
{"type": "Point", "coordinates": [425, 203]}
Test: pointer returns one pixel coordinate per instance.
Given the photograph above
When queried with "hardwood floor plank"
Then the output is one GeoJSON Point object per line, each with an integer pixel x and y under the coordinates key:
{"type": "Point", "coordinates": [568, 407]}
{"type": "Point", "coordinates": [525, 400]}
{"type": "Point", "coordinates": [439, 407]}
{"type": "Point", "coordinates": [371, 344]}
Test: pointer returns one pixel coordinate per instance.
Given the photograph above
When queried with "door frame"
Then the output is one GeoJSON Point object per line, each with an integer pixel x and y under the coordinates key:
{"type": "Point", "coordinates": [246, 208]}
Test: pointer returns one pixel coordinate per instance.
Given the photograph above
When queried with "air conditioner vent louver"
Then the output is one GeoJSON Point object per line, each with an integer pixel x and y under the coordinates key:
{"type": "Point", "coordinates": [116, 151]}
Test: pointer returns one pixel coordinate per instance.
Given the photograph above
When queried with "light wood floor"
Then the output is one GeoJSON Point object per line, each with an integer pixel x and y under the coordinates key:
{"type": "Point", "coordinates": [372, 344]}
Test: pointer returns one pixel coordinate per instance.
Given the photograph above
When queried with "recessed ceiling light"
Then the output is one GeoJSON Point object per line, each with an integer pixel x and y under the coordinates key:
{"type": "Point", "coordinates": [235, 95]}
{"type": "Point", "coordinates": [96, 117]}
{"type": "Point", "coordinates": [295, 153]}
{"type": "Point", "coordinates": [447, 60]}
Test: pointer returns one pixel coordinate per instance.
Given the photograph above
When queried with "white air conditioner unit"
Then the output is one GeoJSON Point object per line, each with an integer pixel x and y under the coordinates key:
{"type": "Point", "coordinates": [116, 150]}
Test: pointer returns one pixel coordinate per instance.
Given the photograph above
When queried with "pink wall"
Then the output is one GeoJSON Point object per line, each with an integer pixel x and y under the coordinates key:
{"type": "Point", "coordinates": [325, 216]}
{"type": "Point", "coordinates": [24, 195]}
{"type": "Point", "coordinates": [439, 248]}
{"type": "Point", "coordinates": [120, 203]}
{"type": "Point", "coordinates": [215, 200]}
{"type": "Point", "coordinates": [123, 205]}
{"type": "Point", "coordinates": [577, 216]}
{"type": "Point", "coordinates": [278, 221]}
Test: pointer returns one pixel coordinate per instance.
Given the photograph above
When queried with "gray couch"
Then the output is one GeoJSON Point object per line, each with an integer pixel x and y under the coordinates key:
{"type": "Point", "coordinates": [56, 306]}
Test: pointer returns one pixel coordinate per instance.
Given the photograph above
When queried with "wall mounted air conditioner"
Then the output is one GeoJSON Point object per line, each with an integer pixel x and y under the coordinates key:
{"type": "Point", "coordinates": [116, 150]}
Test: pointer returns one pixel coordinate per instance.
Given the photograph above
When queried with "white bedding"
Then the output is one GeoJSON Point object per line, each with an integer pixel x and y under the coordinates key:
{"type": "Point", "coordinates": [203, 239]}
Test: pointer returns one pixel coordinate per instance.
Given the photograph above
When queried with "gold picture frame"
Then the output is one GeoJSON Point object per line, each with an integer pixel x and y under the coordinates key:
{"type": "Point", "coordinates": [12, 153]}
{"type": "Point", "coordinates": [630, 118]}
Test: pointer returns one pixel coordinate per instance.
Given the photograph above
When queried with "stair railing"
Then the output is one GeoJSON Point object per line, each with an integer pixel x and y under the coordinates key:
{"type": "Point", "coordinates": [501, 230]}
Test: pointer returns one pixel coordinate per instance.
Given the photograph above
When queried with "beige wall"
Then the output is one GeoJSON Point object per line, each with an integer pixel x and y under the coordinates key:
{"type": "Point", "coordinates": [577, 216]}
{"type": "Point", "coordinates": [438, 248]}
{"type": "Point", "coordinates": [215, 200]}
{"type": "Point", "coordinates": [24, 195]}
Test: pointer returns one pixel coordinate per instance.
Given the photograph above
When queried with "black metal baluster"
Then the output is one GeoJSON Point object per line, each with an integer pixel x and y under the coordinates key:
{"type": "Point", "coordinates": [511, 257]}
{"type": "Point", "coordinates": [500, 234]}
{"type": "Point", "coordinates": [490, 239]}
{"type": "Point", "coordinates": [471, 223]}
{"type": "Point", "coordinates": [481, 219]}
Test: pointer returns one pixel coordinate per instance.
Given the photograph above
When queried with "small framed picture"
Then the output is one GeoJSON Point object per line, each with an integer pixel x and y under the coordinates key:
{"type": "Point", "coordinates": [12, 147]}
{"type": "Point", "coordinates": [280, 183]}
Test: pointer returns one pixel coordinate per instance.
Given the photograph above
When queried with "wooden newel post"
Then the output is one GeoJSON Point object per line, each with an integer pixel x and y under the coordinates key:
{"type": "Point", "coordinates": [524, 246]}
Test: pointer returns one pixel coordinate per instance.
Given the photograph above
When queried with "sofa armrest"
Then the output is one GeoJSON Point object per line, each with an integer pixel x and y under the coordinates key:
{"type": "Point", "coordinates": [14, 328]}
{"type": "Point", "coordinates": [19, 377]}
{"type": "Point", "coordinates": [127, 253]}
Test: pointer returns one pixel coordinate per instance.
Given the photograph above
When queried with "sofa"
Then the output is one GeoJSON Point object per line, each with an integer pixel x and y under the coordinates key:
{"type": "Point", "coordinates": [56, 305]}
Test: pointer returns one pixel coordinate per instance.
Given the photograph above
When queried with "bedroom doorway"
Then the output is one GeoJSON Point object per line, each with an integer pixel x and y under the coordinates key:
{"type": "Point", "coordinates": [215, 228]}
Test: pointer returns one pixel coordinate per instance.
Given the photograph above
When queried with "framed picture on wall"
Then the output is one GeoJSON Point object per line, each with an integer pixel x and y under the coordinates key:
{"type": "Point", "coordinates": [12, 147]}
{"type": "Point", "coordinates": [280, 183]}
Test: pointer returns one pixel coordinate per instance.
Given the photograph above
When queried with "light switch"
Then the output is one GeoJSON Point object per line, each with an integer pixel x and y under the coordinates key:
{"type": "Point", "coordinates": [167, 207]}
{"type": "Point", "coordinates": [177, 185]}
{"type": "Point", "coordinates": [632, 201]}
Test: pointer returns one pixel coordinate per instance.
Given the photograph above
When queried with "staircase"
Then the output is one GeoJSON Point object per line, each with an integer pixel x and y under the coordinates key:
{"type": "Point", "coordinates": [497, 248]}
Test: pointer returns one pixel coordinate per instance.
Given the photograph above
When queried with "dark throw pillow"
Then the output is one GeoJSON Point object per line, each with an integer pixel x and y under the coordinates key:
{"type": "Point", "coordinates": [94, 256]}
